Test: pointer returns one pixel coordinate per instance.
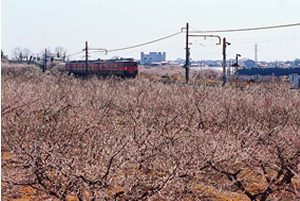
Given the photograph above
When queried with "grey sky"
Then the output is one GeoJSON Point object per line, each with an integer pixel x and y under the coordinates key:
{"type": "Point", "coordinates": [37, 24]}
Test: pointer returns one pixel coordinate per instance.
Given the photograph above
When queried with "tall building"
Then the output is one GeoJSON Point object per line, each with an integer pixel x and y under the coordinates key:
{"type": "Point", "coordinates": [152, 57]}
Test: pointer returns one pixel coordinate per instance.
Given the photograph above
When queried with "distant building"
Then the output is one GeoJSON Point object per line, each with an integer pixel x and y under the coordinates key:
{"type": "Point", "coordinates": [152, 57]}
{"type": "Point", "coordinates": [249, 63]}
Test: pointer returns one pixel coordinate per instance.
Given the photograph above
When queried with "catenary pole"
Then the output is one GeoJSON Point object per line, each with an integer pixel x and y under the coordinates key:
{"type": "Point", "coordinates": [86, 56]}
{"type": "Point", "coordinates": [187, 55]}
{"type": "Point", "coordinates": [224, 60]}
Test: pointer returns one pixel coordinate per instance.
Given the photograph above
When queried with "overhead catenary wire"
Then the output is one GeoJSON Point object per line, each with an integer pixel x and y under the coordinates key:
{"type": "Point", "coordinates": [196, 31]}
{"type": "Point", "coordinates": [248, 29]}
{"type": "Point", "coordinates": [145, 43]}
{"type": "Point", "coordinates": [75, 53]}
{"type": "Point", "coordinates": [206, 31]}
{"type": "Point", "coordinates": [129, 47]}
{"type": "Point", "coordinates": [251, 41]}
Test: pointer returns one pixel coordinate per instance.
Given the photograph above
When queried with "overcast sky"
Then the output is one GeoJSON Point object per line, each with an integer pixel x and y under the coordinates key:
{"type": "Point", "coordinates": [39, 24]}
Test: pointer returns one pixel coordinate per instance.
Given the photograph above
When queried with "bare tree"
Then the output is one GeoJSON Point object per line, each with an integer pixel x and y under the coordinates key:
{"type": "Point", "coordinates": [21, 54]}
{"type": "Point", "coordinates": [60, 52]}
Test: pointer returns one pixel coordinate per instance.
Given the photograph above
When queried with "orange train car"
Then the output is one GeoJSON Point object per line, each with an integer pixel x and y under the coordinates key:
{"type": "Point", "coordinates": [113, 67]}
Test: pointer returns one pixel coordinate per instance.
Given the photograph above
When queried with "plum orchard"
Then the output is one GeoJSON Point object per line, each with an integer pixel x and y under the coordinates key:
{"type": "Point", "coordinates": [112, 139]}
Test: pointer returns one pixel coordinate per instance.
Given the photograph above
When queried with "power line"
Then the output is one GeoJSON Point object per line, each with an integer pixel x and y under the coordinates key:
{"type": "Point", "coordinates": [248, 29]}
{"type": "Point", "coordinates": [282, 37]}
{"type": "Point", "coordinates": [145, 43]}
{"type": "Point", "coordinates": [75, 53]}
{"type": "Point", "coordinates": [205, 31]}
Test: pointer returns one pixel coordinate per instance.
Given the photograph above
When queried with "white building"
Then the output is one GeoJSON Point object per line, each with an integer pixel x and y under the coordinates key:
{"type": "Point", "coordinates": [152, 57]}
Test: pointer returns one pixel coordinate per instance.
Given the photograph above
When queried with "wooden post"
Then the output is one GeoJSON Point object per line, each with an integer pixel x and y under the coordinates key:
{"type": "Point", "coordinates": [187, 55]}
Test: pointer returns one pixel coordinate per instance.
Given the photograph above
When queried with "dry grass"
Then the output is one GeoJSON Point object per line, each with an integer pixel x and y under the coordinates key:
{"type": "Point", "coordinates": [65, 138]}
{"type": "Point", "coordinates": [171, 74]}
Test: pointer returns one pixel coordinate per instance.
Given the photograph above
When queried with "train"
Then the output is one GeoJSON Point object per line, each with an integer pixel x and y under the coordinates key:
{"type": "Point", "coordinates": [123, 67]}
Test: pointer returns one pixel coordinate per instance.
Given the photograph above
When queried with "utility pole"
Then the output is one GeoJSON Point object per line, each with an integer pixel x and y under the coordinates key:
{"type": "Point", "coordinates": [45, 61]}
{"type": "Point", "coordinates": [236, 64]}
{"type": "Point", "coordinates": [237, 59]}
{"type": "Point", "coordinates": [225, 43]}
{"type": "Point", "coordinates": [86, 56]}
{"type": "Point", "coordinates": [187, 55]}
{"type": "Point", "coordinates": [187, 49]}
{"type": "Point", "coordinates": [21, 57]}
